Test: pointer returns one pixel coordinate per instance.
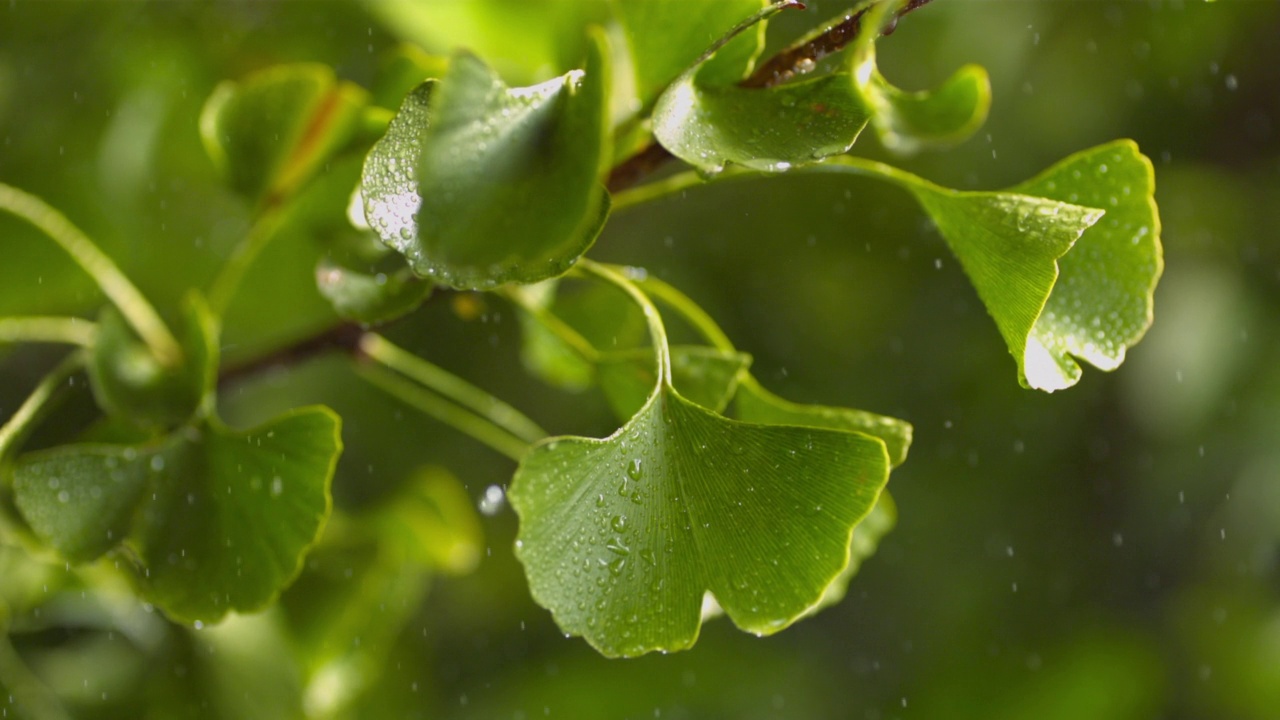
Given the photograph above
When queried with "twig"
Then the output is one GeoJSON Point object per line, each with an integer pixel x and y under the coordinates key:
{"type": "Point", "coordinates": [797, 59]}
{"type": "Point", "coordinates": [344, 337]}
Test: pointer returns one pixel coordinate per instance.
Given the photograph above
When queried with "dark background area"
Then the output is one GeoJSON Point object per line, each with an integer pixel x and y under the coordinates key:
{"type": "Point", "coordinates": [1108, 551]}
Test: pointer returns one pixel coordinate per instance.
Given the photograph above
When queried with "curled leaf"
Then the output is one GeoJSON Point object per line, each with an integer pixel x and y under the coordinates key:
{"type": "Point", "coordinates": [466, 178]}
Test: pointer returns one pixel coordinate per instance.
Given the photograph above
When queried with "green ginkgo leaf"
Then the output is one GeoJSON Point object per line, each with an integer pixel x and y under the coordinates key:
{"type": "Point", "coordinates": [216, 520]}
{"type": "Point", "coordinates": [478, 184]}
{"type": "Point", "coordinates": [80, 499]}
{"type": "Point", "coordinates": [621, 538]}
{"type": "Point", "coordinates": [1009, 244]}
{"type": "Point", "coordinates": [270, 132]}
{"type": "Point", "coordinates": [379, 292]}
{"type": "Point", "coordinates": [231, 513]}
{"type": "Point", "coordinates": [770, 129]}
{"type": "Point", "coordinates": [666, 37]}
{"type": "Point", "coordinates": [1102, 302]}
{"type": "Point", "coordinates": [130, 383]}
{"type": "Point", "coordinates": [909, 121]}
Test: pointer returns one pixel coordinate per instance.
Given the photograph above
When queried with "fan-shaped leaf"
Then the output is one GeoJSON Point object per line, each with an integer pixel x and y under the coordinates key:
{"type": "Point", "coordinates": [668, 36]}
{"type": "Point", "coordinates": [478, 184]}
{"type": "Point", "coordinates": [1102, 302]}
{"type": "Point", "coordinates": [769, 129]}
{"type": "Point", "coordinates": [217, 520]}
{"type": "Point", "coordinates": [130, 383]}
{"type": "Point", "coordinates": [270, 132]}
{"type": "Point", "coordinates": [909, 121]}
{"type": "Point", "coordinates": [622, 537]}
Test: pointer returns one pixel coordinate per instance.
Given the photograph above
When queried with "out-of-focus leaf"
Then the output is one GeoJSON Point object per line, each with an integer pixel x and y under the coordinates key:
{"type": "Point", "coordinates": [527, 40]}
{"type": "Point", "coordinates": [402, 69]}
{"type": "Point", "coordinates": [130, 383]}
{"type": "Point", "coordinates": [80, 499]}
{"type": "Point", "coordinates": [666, 37]}
{"type": "Point", "coordinates": [478, 184]}
{"type": "Point", "coordinates": [703, 375]}
{"type": "Point", "coordinates": [270, 132]}
{"type": "Point", "coordinates": [603, 317]}
{"type": "Point", "coordinates": [866, 538]}
{"type": "Point", "coordinates": [756, 404]}
{"type": "Point", "coordinates": [622, 537]}
{"type": "Point", "coordinates": [382, 291]}
{"type": "Point", "coordinates": [216, 520]}
{"type": "Point", "coordinates": [232, 513]}
{"type": "Point", "coordinates": [435, 522]}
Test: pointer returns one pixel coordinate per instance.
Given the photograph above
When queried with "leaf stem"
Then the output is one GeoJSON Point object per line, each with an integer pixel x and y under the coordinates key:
{"type": "Point", "coordinates": [451, 386]}
{"type": "Point", "coordinates": [70, 330]}
{"type": "Point", "coordinates": [842, 165]}
{"type": "Point", "coordinates": [445, 411]}
{"type": "Point", "coordinates": [690, 311]}
{"type": "Point", "coordinates": [19, 425]}
{"type": "Point", "coordinates": [623, 280]}
{"type": "Point", "coordinates": [140, 313]}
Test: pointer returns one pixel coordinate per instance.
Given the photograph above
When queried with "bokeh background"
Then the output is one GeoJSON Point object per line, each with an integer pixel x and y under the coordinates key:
{"type": "Point", "coordinates": [1108, 551]}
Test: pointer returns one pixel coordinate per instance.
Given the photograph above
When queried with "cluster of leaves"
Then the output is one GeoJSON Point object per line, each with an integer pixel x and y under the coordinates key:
{"type": "Point", "coordinates": [714, 495]}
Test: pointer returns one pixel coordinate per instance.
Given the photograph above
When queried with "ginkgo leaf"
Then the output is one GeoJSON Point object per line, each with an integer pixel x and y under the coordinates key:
{"type": "Point", "coordinates": [478, 184]}
{"type": "Point", "coordinates": [771, 129]}
{"type": "Point", "coordinates": [1009, 244]}
{"type": "Point", "coordinates": [215, 520]}
{"type": "Point", "coordinates": [130, 383]}
{"type": "Point", "coordinates": [273, 130]}
{"type": "Point", "coordinates": [909, 121]}
{"type": "Point", "coordinates": [383, 291]}
{"type": "Point", "coordinates": [80, 499]}
{"type": "Point", "coordinates": [665, 37]}
{"type": "Point", "coordinates": [1102, 302]}
{"type": "Point", "coordinates": [622, 537]}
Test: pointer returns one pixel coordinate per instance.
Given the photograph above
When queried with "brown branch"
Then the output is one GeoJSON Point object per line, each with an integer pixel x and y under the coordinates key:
{"type": "Point", "coordinates": [798, 59]}
{"type": "Point", "coordinates": [344, 337]}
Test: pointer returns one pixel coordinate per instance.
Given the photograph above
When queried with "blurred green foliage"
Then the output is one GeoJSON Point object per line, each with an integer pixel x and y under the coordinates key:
{"type": "Point", "coordinates": [1112, 551]}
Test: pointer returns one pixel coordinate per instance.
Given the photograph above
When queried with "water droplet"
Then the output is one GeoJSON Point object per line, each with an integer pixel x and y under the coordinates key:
{"type": "Point", "coordinates": [617, 548]}
{"type": "Point", "coordinates": [157, 463]}
{"type": "Point", "coordinates": [615, 567]}
{"type": "Point", "coordinates": [277, 486]}
{"type": "Point", "coordinates": [634, 470]}
{"type": "Point", "coordinates": [619, 523]}
{"type": "Point", "coordinates": [492, 501]}
{"type": "Point", "coordinates": [64, 496]}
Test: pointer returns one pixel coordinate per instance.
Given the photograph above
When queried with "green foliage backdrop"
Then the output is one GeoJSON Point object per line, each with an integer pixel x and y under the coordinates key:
{"type": "Point", "coordinates": [1110, 551]}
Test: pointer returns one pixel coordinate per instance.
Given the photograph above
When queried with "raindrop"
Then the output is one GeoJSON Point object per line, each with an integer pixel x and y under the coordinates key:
{"type": "Point", "coordinates": [492, 501]}
{"type": "Point", "coordinates": [634, 470]}
{"type": "Point", "coordinates": [277, 486]}
{"type": "Point", "coordinates": [1231, 82]}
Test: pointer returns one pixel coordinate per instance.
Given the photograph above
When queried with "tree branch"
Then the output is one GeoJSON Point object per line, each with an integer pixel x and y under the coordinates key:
{"type": "Point", "coordinates": [798, 59]}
